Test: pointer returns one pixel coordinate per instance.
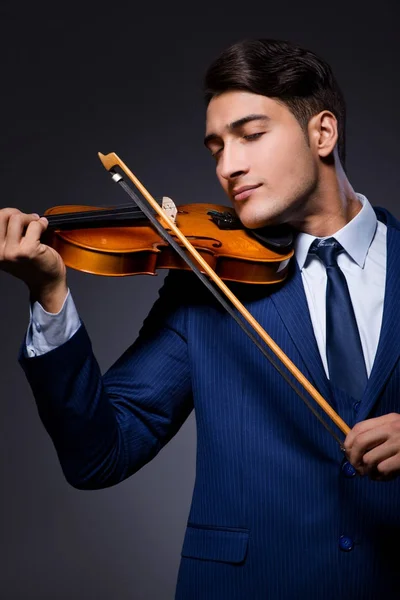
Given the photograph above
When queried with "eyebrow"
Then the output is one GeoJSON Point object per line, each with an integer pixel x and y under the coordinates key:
{"type": "Point", "coordinates": [236, 125]}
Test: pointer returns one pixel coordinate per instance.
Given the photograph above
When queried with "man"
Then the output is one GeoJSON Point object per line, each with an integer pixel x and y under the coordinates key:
{"type": "Point", "coordinates": [278, 511]}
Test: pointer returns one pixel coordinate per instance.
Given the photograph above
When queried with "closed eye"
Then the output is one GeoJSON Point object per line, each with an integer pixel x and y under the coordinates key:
{"type": "Point", "coordinates": [214, 154]}
{"type": "Point", "coordinates": [253, 136]}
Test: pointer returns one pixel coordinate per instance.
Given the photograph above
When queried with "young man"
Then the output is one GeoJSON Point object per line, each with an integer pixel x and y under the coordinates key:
{"type": "Point", "coordinates": [278, 511]}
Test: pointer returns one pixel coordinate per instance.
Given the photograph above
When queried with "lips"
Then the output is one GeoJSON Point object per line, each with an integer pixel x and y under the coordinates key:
{"type": "Point", "coordinates": [244, 191]}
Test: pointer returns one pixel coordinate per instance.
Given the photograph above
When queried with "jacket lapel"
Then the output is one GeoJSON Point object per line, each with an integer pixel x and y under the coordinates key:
{"type": "Point", "coordinates": [388, 350]}
{"type": "Point", "coordinates": [291, 303]}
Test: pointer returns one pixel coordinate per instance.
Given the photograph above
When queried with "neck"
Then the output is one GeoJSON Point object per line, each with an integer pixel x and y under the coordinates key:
{"type": "Point", "coordinates": [330, 207]}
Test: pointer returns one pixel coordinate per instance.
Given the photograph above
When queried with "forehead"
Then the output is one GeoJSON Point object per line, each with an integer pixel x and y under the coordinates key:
{"type": "Point", "coordinates": [234, 105]}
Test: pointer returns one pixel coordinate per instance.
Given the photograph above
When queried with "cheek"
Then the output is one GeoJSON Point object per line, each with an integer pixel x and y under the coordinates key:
{"type": "Point", "coordinates": [288, 157]}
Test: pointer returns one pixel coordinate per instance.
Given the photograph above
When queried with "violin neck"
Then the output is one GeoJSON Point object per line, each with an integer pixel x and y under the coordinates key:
{"type": "Point", "coordinates": [95, 218]}
{"type": "Point", "coordinates": [105, 217]}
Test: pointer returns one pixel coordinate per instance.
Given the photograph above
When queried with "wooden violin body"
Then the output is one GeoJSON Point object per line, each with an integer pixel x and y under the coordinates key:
{"type": "Point", "coordinates": [133, 248]}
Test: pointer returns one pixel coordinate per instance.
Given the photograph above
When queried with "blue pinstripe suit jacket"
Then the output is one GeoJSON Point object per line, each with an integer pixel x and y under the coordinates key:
{"type": "Point", "coordinates": [271, 497]}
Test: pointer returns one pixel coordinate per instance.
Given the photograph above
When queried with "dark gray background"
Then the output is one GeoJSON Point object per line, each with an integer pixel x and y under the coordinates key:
{"type": "Point", "coordinates": [128, 79]}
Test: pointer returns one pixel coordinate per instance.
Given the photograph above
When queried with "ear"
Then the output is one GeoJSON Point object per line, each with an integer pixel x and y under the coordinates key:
{"type": "Point", "coordinates": [323, 133]}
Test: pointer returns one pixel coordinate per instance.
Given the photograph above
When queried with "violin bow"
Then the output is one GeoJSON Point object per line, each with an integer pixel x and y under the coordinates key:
{"type": "Point", "coordinates": [110, 162]}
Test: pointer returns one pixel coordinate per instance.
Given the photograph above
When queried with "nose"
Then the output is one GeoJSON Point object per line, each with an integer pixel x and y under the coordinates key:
{"type": "Point", "coordinates": [232, 163]}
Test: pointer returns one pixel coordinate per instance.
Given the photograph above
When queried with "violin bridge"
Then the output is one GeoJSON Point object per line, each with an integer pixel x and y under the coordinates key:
{"type": "Point", "coordinates": [169, 208]}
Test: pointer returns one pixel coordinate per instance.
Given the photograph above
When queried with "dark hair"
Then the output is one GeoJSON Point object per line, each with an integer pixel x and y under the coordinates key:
{"type": "Point", "coordinates": [283, 71]}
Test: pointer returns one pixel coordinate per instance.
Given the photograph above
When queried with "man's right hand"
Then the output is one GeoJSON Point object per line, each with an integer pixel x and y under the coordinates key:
{"type": "Point", "coordinates": [23, 255]}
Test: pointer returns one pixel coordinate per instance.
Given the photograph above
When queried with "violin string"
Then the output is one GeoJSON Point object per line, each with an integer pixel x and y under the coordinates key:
{"type": "Point", "coordinates": [110, 211]}
{"type": "Point", "coordinates": [126, 205]}
{"type": "Point", "coordinates": [221, 299]}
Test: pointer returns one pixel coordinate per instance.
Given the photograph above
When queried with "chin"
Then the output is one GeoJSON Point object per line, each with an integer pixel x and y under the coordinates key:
{"type": "Point", "coordinates": [253, 218]}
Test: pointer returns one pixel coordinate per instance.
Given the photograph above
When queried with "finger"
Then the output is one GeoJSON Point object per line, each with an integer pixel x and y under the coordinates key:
{"type": "Point", "coordinates": [390, 467]}
{"type": "Point", "coordinates": [375, 475]}
{"type": "Point", "coordinates": [367, 425]}
{"type": "Point", "coordinates": [5, 215]}
{"type": "Point", "coordinates": [363, 443]}
{"type": "Point", "coordinates": [35, 230]}
{"type": "Point", "coordinates": [374, 457]}
{"type": "Point", "coordinates": [16, 226]}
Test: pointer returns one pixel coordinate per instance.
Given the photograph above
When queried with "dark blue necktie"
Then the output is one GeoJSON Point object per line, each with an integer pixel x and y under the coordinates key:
{"type": "Point", "coordinates": [343, 345]}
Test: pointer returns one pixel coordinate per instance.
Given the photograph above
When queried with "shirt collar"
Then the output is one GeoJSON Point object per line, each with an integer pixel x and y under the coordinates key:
{"type": "Point", "coordinates": [355, 237]}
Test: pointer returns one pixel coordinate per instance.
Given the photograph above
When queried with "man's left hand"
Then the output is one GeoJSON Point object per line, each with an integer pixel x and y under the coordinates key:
{"type": "Point", "coordinates": [373, 447]}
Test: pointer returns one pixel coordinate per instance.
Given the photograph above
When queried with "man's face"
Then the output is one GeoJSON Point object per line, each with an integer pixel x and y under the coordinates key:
{"type": "Point", "coordinates": [257, 142]}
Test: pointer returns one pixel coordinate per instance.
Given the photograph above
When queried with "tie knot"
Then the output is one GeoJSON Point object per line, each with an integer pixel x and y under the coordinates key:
{"type": "Point", "coordinates": [326, 250]}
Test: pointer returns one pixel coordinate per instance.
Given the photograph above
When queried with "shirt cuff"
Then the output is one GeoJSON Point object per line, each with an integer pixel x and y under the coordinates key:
{"type": "Point", "coordinates": [47, 331]}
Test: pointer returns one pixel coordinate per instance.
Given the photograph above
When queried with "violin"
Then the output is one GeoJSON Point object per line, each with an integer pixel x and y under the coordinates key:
{"type": "Point", "coordinates": [200, 237]}
{"type": "Point", "coordinates": [119, 241]}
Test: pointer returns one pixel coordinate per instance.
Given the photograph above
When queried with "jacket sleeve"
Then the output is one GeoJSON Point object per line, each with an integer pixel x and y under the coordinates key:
{"type": "Point", "coordinates": [106, 427]}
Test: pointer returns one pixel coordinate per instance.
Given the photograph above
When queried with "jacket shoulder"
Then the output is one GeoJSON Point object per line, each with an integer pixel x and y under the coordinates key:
{"type": "Point", "coordinates": [386, 217]}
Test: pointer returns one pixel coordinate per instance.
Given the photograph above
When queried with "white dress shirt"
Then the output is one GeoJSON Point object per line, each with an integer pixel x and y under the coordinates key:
{"type": "Point", "coordinates": [363, 264]}
{"type": "Point", "coordinates": [47, 331]}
